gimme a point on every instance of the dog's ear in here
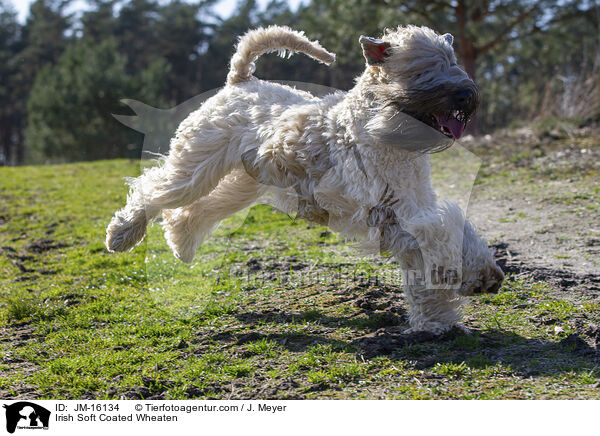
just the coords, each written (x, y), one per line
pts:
(449, 38)
(374, 50)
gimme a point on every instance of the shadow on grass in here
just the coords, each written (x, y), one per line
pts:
(366, 319)
(526, 357)
(378, 334)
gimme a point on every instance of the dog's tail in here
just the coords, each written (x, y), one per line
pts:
(265, 40)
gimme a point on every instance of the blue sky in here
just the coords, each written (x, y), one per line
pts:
(224, 8)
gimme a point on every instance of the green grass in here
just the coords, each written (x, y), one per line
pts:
(80, 322)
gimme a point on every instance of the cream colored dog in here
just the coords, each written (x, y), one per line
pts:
(353, 161)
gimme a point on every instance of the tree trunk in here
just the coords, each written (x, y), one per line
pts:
(469, 60)
(6, 145)
(20, 145)
(466, 51)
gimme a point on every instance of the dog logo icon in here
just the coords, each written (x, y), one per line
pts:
(26, 415)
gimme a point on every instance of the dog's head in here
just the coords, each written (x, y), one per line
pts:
(415, 71)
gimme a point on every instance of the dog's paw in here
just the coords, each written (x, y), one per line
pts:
(430, 327)
(488, 281)
(438, 329)
(494, 280)
(125, 232)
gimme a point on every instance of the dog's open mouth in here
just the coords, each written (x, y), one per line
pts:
(445, 108)
(450, 124)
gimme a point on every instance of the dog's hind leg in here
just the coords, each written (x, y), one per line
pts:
(187, 227)
(192, 170)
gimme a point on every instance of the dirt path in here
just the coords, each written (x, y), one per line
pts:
(541, 204)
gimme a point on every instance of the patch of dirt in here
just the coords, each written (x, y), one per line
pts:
(550, 218)
(138, 393)
(11, 253)
(286, 389)
(30, 278)
(19, 259)
(271, 268)
(549, 239)
(13, 337)
(510, 261)
(43, 245)
(206, 393)
(386, 341)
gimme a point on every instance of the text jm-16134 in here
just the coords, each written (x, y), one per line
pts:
(96, 407)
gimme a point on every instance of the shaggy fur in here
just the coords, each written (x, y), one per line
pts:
(340, 161)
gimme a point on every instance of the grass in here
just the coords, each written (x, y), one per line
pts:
(78, 322)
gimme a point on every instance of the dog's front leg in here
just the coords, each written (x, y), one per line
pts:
(429, 255)
(429, 289)
(454, 262)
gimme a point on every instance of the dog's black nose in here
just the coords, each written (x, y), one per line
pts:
(464, 98)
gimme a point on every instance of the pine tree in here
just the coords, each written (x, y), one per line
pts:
(10, 45)
(71, 104)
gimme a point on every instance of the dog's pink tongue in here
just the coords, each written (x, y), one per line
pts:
(455, 126)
